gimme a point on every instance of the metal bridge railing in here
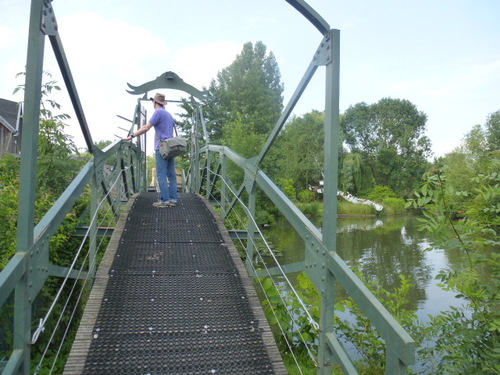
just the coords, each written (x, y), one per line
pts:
(28, 271)
(218, 187)
(25, 275)
(209, 175)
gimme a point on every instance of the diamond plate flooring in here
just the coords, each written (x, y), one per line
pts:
(173, 298)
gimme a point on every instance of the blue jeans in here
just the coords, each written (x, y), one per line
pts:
(165, 169)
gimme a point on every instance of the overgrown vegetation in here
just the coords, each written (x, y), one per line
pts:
(57, 166)
(461, 214)
(466, 339)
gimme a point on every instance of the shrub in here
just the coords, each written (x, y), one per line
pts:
(306, 196)
(393, 206)
(379, 193)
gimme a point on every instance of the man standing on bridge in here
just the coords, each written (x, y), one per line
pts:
(163, 123)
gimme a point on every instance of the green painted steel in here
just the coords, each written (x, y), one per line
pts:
(28, 270)
(20, 362)
(321, 262)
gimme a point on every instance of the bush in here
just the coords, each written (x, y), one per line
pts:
(379, 193)
(467, 338)
(311, 209)
(393, 206)
(286, 185)
(306, 196)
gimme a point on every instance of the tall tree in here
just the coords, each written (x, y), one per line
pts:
(389, 135)
(493, 131)
(474, 156)
(300, 150)
(246, 100)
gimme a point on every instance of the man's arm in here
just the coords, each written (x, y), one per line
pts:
(142, 130)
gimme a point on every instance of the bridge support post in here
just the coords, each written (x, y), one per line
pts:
(223, 200)
(25, 223)
(93, 230)
(331, 163)
(252, 199)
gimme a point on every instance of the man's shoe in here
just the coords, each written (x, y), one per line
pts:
(161, 204)
(172, 203)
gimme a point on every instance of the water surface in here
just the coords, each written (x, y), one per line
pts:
(384, 248)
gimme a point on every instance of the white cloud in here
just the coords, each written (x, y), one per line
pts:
(102, 60)
(109, 44)
(7, 36)
(198, 65)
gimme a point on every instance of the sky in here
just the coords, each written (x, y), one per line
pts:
(443, 56)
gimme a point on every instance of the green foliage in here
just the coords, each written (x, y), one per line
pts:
(493, 131)
(280, 307)
(9, 188)
(393, 206)
(311, 209)
(389, 137)
(351, 174)
(299, 150)
(306, 196)
(348, 208)
(245, 99)
(359, 330)
(466, 339)
(379, 193)
(286, 185)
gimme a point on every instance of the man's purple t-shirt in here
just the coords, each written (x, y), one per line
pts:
(163, 123)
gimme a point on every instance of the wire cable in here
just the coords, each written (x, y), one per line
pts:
(41, 326)
(311, 320)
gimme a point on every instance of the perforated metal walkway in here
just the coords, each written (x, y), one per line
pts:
(172, 297)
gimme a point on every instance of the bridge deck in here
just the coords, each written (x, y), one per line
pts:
(172, 297)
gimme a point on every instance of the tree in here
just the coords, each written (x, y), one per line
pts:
(55, 166)
(467, 338)
(299, 150)
(461, 166)
(245, 101)
(351, 173)
(493, 131)
(389, 135)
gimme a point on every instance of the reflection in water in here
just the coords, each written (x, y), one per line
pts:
(383, 248)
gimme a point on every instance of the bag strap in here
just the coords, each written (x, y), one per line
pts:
(158, 134)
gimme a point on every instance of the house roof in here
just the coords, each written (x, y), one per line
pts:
(8, 114)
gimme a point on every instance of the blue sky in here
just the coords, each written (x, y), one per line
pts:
(443, 56)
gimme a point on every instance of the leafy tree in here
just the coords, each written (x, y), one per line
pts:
(461, 166)
(493, 131)
(246, 99)
(55, 166)
(389, 137)
(467, 338)
(351, 174)
(299, 150)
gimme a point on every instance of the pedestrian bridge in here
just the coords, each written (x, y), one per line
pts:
(171, 295)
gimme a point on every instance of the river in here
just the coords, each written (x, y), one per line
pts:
(384, 247)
